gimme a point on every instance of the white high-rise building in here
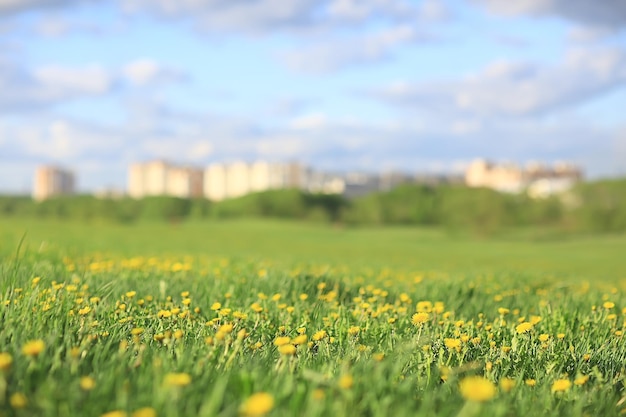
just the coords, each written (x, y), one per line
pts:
(53, 181)
(158, 178)
(215, 182)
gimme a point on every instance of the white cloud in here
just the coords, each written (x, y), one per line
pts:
(145, 71)
(309, 121)
(336, 54)
(92, 79)
(611, 13)
(507, 88)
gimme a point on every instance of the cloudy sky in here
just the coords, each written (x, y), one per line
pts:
(421, 86)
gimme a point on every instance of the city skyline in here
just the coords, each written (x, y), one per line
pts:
(343, 85)
(219, 181)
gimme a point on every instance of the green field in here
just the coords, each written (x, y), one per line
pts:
(283, 319)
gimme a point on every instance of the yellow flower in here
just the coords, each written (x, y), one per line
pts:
(225, 328)
(544, 337)
(561, 385)
(177, 379)
(530, 382)
(318, 394)
(317, 336)
(131, 294)
(216, 306)
(84, 311)
(18, 400)
(87, 383)
(33, 348)
(503, 311)
(114, 413)
(608, 305)
(136, 331)
(281, 340)
(346, 382)
(560, 335)
(145, 412)
(507, 384)
(419, 318)
(477, 388)
(354, 330)
(523, 327)
(257, 404)
(287, 349)
(5, 361)
(300, 340)
(581, 380)
(452, 343)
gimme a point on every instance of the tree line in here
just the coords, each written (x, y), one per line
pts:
(594, 207)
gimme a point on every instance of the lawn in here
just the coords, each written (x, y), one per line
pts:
(280, 319)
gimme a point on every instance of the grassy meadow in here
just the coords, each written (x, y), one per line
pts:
(252, 318)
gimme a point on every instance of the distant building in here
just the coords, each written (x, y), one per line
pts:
(537, 179)
(51, 181)
(231, 180)
(159, 178)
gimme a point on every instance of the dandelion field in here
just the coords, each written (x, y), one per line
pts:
(238, 320)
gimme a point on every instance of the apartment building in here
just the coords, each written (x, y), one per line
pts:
(537, 179)
(157, 178)
(236, 179)
(52, 181)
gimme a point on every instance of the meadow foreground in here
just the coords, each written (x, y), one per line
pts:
(91, 332)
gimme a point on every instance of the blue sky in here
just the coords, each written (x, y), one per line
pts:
(419, 86)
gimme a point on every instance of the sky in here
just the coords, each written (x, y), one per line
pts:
(423, 86)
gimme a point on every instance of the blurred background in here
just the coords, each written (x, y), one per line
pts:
(483, 114)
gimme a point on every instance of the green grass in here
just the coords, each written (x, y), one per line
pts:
(131, 307)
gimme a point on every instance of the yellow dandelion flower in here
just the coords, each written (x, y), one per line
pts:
(114, 413)
(33, 348)
(608, 305)
(354, 330)
(378, 357)
(216, 306)
(84, 311)
(530, 382)
(419, 318)
(452, 343)
(287, 350)
(300, 340)
(523, 327)
(257, 405)
(18, 400)
(581, 380)
(87, 383)
(319, 335)
(131, 294)
(282, 340)
(5, 361)
(177, 379)
(544, 337)
(507, 384)
(318, 394)
(178, 334)
(136, 331)
(225, 328)
(560, 336)
(144, 412)
(346, 382)
(477, 388)
(303, 297)
(503, 311)
(561, 385)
